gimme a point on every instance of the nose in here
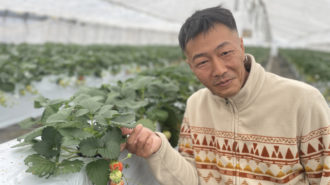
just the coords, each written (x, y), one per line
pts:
(219, 67)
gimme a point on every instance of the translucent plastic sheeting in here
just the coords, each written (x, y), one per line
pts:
(22, 107)
(294, 23)
(93, 11)
(12, 170)
(81, 22)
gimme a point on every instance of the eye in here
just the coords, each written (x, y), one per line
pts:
(226, 52)
(201, 63)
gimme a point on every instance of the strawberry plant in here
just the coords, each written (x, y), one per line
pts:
(22, 65)
(85, 129)
(313, 67)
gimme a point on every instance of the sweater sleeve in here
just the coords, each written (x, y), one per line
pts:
(171, 167)
(315, 139)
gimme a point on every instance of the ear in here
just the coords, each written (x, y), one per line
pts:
(189, 63)
(242, 44)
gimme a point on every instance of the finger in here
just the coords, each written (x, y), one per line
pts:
(148, 146)
(141, 140)
(125, 131)
(122, 146)
(133, 136)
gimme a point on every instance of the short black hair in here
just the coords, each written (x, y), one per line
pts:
(201, 21)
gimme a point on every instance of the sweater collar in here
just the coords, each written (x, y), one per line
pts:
(252, 87)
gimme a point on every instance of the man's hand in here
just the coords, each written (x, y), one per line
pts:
(142, 141)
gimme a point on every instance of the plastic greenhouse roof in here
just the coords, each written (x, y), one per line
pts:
(291, 23)
(92, 11)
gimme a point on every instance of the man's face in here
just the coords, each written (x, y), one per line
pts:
(216, 57)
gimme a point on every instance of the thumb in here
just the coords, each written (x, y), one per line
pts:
(125, 131)
(122, 146)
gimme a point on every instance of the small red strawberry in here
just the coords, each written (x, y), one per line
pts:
(116, 165)
(120, 183)
(115, 176)
(81, 78)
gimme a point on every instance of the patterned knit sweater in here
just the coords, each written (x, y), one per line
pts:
(274, 131)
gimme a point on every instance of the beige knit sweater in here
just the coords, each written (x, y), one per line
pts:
(274, 131)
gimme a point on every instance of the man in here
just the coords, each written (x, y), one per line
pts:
(247, 126)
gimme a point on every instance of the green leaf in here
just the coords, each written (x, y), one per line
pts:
(50, 144)
(111, 147)
(89, 146)
(108, 114)
(80, 98)
(101, 120)
(7, 86)
(27, 123)
(49, 110)
(74, 133)
(81, 112)
(40, 102)
(106, 111)
(67, 166)
(57, 102)
(124, 118)
(147, 123)
(98, 171)
(70, 142)
(31, 135)
(141, 82)
(39, 166)
(60, 116)
(157, 114)
(91, 105)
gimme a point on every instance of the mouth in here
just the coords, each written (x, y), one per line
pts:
(224, 83)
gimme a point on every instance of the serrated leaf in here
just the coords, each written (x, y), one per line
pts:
(101, 120)
(112, 96)
(91, 105)
(27, 123)
(67, 166)
(56, 102)
(98, 171)
(105, 109)
(147, 123)
(124, 118)
(49, 110)
(80, 98)
(157, 114)
(31, 135)
(97, 98)
(45, 149)
(89, 146)
(135, 104)
(60, 117)
(127, 125)
(50, 143)
(40, 102)
(7, 86)
(81, 112)
(111, 146)
(39, 166)
(141, 82)
(74, 132)
(70, 142)
(109, 114)
(128, 93)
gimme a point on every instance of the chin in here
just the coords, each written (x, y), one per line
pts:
(226, 94)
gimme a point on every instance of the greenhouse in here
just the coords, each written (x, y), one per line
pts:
(74, 73)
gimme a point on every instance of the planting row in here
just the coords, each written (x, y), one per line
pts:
(313, 67)
(21, 66)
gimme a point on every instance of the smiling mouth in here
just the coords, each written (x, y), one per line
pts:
(224, 83)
